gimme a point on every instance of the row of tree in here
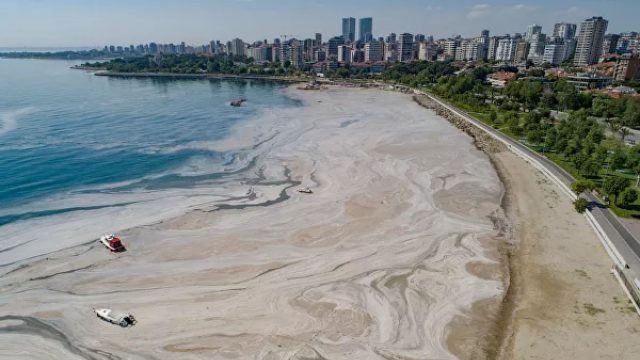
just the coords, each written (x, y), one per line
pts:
(193, 64)
(576, 133)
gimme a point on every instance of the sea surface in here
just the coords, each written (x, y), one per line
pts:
(72, 143)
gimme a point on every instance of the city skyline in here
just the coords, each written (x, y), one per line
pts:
(88, 23)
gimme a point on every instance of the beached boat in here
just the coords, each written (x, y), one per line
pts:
(305, 191)
(112, 243)
(122, 319)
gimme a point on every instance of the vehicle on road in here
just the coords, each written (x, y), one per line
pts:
(305, 191)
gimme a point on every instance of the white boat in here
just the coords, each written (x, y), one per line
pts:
(112, 243)
(122, 319)
(305, 191)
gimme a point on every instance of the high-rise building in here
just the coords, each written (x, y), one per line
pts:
(349, 29)
(555, 52)
(564, 31)
(610, 43)
(405, 47)
(332, 47)
(237, 47)
(628, 42)
(522, 51)
(492, 48)
(483, 39)
(450, 47)
(506, 50)
(590, 39)
(318, 39)
(472, 50)
(627, 67)
(344, 54)
(308, 47)
(391, 38)
(297, 60)
(373, 51)
(357, 56)
(427, 51)
(536, 50)
(391, 51)
(532, 30)
(366, 29)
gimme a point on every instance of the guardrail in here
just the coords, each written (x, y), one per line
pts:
(608, 245)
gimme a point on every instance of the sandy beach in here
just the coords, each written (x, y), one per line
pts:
(372, 265)
(405, 250)
(565, 302)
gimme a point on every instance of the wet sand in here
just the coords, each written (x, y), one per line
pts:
(398, 240)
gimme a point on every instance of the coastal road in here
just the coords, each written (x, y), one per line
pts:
(626, 243)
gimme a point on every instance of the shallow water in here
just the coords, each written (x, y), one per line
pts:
(71, 142)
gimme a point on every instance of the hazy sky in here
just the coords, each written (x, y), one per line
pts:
(122, 22)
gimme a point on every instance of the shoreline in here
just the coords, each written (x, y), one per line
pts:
(385, 219)
(498, 318)
(568, 318)
(207, 76)
(492, 328)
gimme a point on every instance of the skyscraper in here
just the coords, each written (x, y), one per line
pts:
(237, 47)
(564, 31)
(318, 39)
(506, 50)
(349, 29)
(590, 38)
(532, 30)
(366, 29)
(536, 47)
(405, 47)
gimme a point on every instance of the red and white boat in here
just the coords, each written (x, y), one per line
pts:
(112, 243)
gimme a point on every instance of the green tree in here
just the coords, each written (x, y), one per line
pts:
(343, 72)
(535, 136)
(581, 205)
(627, 197)
(580, 186)
(631, 116)
(513, 123)
(550, 138)
(590, 168)
(614, 185)
(549, 101)
(493, 116)
(617, 159)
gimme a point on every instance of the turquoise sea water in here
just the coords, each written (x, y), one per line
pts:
(66, 132)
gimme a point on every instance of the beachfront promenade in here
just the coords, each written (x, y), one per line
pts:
(621, 245)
